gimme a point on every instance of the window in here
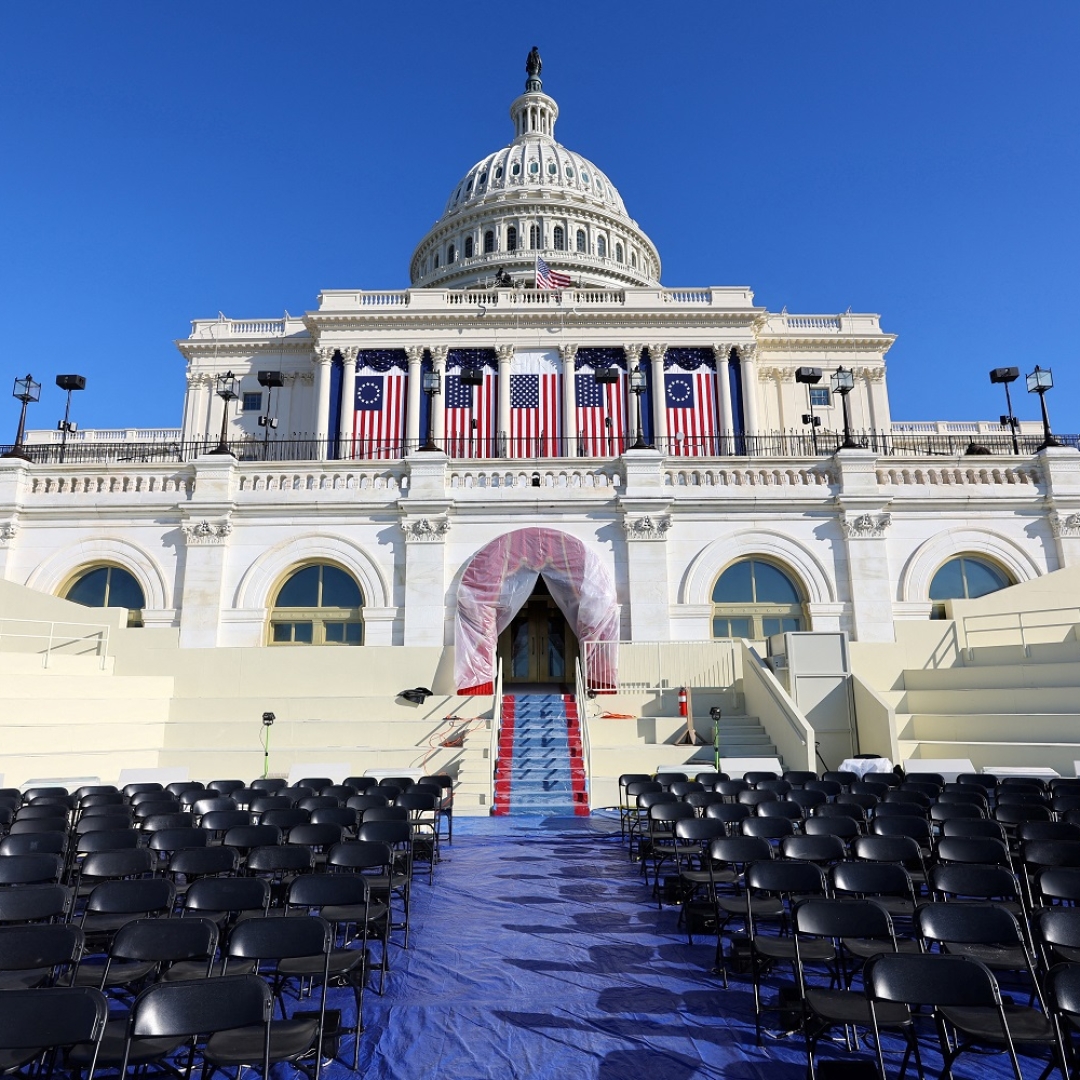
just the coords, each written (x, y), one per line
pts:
(599, 188)
(450, 254)
(252, 401)
(569, 173)
(483, 178)
(499, 173)
(489, 242)
(515, 169)
(436, 265)
(318, 605)
(601, 247)
(559, 235)
(584, 177)
(819, 396)
(633, 259)
(964, 578)
(511, 238)
(755, 599)
(468, 247)
(553, 169)
(580, 240)
(468, 186)
(618, 253)
(534, 167)
(534, 237)
(108, 586)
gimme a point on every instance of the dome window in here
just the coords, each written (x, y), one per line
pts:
(468, 186)
(483, 178)
(468, 247)
(584, 177)
(515, 169)
(534, 167)
(435, 264)
(559, 237)
(553, 168)
(599, 188)
(601, 247)
(450, 255)
(499, 173)
(489, 242)
(618, 253)
(633, 259)
(534, 237)
(511, 238)
(580, 240)
(569, 173)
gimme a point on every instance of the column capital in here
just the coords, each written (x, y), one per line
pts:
(722, 352)
(324, 355)
(568, 353)
(439, 353)
(504, 353)
(748, 351)
(860, 525)
(633, 353)
(414, 353)
(657, 352)
(350, 353)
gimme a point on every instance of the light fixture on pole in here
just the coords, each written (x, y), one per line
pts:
(607, 376)
(431, 384)
(1004, 376)
(228, 389)
(843, 382)
(269, 380)
(637, 388)
(810, 376)
(1038, 382)
(68, 426)
(26, 391)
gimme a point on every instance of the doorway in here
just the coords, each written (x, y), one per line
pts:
(538, 646)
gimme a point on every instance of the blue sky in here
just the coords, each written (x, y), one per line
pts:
(162, 162)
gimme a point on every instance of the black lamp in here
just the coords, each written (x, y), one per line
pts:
(1004, 376)
(228, 389)
(66, 426)
(269, 381)
(25, 390)
(431, 384)
(1038, 382)
(602, 376)
(471, 376)
(843, 382)
(637, 388)
(810, 376)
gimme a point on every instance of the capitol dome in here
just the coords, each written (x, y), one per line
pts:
(534, 197)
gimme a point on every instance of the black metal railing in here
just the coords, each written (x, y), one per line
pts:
(769, 444)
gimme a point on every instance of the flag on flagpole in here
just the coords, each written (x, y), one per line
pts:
(546, 278)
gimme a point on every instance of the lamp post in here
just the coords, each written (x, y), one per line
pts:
(1038, 382)
(637, 388)
(606, 376)
(810, 376)
(268, 380)
(26, 390)
(843, 382)
(1004, 376)
(431, 384)
(228, 390)
(68, 426)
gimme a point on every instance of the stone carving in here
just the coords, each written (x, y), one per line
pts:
(865, 526)
(647, 528)
(1060, 525)
(7, 532)
(426, 529)
(533, 64)
(206, 532)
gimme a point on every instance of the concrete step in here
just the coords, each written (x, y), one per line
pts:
(1023, 673)
(980, 727)
(1021, 700)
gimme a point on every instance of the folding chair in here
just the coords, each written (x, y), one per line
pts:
(34, 1024)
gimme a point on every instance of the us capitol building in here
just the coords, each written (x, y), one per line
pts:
(383, 470)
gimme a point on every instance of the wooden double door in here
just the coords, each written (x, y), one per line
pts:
(538, 646)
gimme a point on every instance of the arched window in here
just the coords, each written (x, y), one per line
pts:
(511, 238)
(601, 247)
(559, 236)
(755, 599)
(468, 247)
(489, 242)
(318, 605)
(964, 578)
(618, 253)
(534, 236)
(580, 239)
(450, 254)
(108, 586)
(633, 259)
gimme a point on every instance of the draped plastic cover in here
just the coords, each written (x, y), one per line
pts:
(502, 576)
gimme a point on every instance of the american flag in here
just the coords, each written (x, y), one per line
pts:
(379, 418)
(471, 416)
(546, 278)
(600, 416)
(534, 415)
(691, 413)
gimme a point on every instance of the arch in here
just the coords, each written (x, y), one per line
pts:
(789, 554)
(256, 588)
(58, 569)
(919, 570)
(501, 576)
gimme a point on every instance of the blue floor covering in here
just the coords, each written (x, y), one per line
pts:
(537, 954)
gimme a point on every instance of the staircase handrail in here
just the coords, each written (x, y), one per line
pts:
(795, 739)
(583, 722)
(96, 633)
(1016, 624)
(496, 726)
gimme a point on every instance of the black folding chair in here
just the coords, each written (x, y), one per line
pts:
(34, 1024)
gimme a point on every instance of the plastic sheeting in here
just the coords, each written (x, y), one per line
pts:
(502, 576)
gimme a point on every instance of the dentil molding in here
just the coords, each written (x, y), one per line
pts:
(647, 527)
(426, 529)
(206, 532)
(865, 526)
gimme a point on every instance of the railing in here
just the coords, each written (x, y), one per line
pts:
(792, 736)
(93, 638)
(582, 699)
(496, 728)
(1021, 627)
(649, 666)
(970, 448)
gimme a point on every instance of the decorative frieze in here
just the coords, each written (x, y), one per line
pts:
(647, 527)
(1060, 524)
(426, 530)
(206, 532)
(865, 526)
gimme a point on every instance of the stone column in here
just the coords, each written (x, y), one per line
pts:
(347, 411)
(569, 402)
(14, 479)
(646, 521)
(425, 524)
(1061, 468)
(748, 354)
(195, 418)
(206, 529)
(656, 357)
(438, 401)
(723, 397)
(864, 522)
(321, 427)
(415, 354)
(505, 355)
(633, 358)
